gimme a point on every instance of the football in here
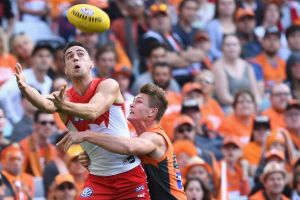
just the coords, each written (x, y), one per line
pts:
(88, 18)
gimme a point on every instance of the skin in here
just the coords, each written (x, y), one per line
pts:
(13, 163)
(274, 184)
(245, 106)
(280, 95)
(66, 194)
(200, 172)
(106, 63)
(194, 191)
(292, 120)
(190, 135)
(162, 76)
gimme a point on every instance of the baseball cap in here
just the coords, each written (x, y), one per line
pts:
(196, 161)
(274, 152)
(272, 167)
(232, 140)
(275, 136)
(190, 104)
(183, 119)
(158, 8)
(12, 149)
(244, 12)
(260, 121)
(184, 146)
(73, 152)
(201, 36)
(272, 31)
(191, 86)
(121, 69)
(293, 59)
(63, 178)
(293, 104)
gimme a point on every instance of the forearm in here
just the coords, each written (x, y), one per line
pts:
(114, 144)
(36, 99)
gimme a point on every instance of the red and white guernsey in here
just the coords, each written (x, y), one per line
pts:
(113, 122)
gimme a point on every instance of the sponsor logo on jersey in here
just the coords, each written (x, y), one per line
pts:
(128, 160)
(140, 188)
(86, 192)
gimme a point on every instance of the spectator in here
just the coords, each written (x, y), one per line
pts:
(6, 12)
(37, 149)
(105, 60)
(256, 6)
(254, 149)
(195, 189)
(184, 150)
(33, 11)
(239, 124)
(292, 121)
(222, 24)
(58, 69)
(36, 76)
(205, 13)
(233, 73)
(290, 13)
(184, 128)
(191, 108)
(296, 182)
(237, 168)
(7, 60)
(22, 47)
(22, 183)
(245, 23)
(187, 14)
(157, 53)
(273, 179)
(202, 42)
(280, 96)
(3, 141)
(293, 38)
(63, 188)
(293, 74)
(24, 127)
(271, 65)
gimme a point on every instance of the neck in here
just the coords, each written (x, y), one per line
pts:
(79, 178)
(39, 141)
(39, 75)
(206, 97)
(81, 85)
(229, 61)
(141, 126)
(185, 26)
(271, 57)
(273, 196)
(226, 19)
(244, 119)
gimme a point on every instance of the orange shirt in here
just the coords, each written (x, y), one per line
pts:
(231, 126)
(276, 118)
(271, 73)
(252, 153)
(296, 140)
(7, 67)
(211, 109)
(260, 196)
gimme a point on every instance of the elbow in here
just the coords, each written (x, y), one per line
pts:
(91, 116)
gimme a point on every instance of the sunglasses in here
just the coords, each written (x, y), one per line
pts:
(47, 122)
(206, 82)
(65, 186)
(184, 129)
(159, 8)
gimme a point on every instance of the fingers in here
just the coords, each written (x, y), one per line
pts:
(62, 141)
(62, 91)
(84, 160)
(18, 68)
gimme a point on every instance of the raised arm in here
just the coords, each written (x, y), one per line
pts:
(128, 146)
(107, 93)
(31, 94)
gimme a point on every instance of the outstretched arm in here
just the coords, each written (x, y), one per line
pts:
(107, 94)
(31, 94)
(128, 146)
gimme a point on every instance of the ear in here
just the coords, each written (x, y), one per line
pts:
(153, 112)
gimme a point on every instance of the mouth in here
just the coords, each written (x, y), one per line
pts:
(131, 112)
(76, 67)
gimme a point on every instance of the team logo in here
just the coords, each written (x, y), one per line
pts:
(128, 160)
(86, 192)
(87, 11)
(138, 189)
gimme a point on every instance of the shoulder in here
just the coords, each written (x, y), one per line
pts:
(153, 137)
(108, 84)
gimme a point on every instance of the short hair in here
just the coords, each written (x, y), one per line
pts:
(182, 4)
(153, 46)
(292, 29)
(157, 99)
(37, 115)
(42, 46)
(75, 43)
(104, 49)
(228, 35)
(161, 64)
(242, 93)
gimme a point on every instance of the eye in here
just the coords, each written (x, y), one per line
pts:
(80, 54)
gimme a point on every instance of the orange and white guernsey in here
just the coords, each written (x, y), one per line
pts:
(113, 122)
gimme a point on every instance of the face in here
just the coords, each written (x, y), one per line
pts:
(292, 119)
(231, 47)
(135, 8)
(226, 8)
(164, 23)
(162, 76)
(157, 55)
(280, 97)
(23, 46)
(76, 169)
(106, 63)
(185, 131)
(78, 63)
(260, 134)
(296, 71)
(14, 162)
(272, 14)
(274, 183)
(89, 40)
(294, 41)
(189, 11)
(65, 191)
(45, 126)
(231, 153)
(199, 172)
(42, 60)
(183, 159)
(278, 146)
(245, 106)
(194, 191)
(207, 84)
(58, 83)
(140, 109)
(246, 24)
(123, 81)
(2, 120)
(271, 44)
(204, 45)
(59, 61)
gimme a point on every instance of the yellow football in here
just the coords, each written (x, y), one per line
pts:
(88, 18)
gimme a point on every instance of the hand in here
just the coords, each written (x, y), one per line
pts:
(71, 138)
(20, 77)
(84, 159)
(58, 99)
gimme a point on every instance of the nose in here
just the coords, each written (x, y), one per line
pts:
(75, 58)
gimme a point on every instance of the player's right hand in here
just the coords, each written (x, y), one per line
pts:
(20, 77)
(84, 159)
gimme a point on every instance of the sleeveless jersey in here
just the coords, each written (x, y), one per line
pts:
(113, 122)
(163, 175)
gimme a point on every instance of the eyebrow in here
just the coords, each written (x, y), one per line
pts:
(78, 50)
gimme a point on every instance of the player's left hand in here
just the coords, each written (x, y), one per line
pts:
(69, 139)
(58, 99)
